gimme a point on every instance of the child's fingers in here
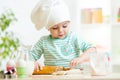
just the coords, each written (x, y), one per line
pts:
(37, 67)
(72, 64)
(75, 62)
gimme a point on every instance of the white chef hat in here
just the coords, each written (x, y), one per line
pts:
(49, 12)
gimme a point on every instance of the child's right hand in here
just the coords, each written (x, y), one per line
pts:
(38, 67)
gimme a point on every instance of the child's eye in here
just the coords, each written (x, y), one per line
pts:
(55, 28)
(64, 26)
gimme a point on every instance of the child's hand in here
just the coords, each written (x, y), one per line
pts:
(74, 62)
(82, 58)
(37, 66)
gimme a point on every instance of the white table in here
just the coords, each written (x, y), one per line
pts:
(113, 76)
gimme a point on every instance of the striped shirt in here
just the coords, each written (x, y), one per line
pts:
(59, 52)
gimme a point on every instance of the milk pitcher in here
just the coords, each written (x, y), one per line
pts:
(100, 63)
(24, 63)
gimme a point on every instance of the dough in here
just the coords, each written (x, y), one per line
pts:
(60, 73)
(74, 71)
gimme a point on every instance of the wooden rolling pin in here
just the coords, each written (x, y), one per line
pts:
(49, 70)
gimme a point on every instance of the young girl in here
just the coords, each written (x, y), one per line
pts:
(61, 47)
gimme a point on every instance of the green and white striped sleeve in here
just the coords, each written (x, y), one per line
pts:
(37, 49)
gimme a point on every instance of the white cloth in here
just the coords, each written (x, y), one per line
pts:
(49, 12)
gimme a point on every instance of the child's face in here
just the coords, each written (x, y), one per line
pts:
(60, 30)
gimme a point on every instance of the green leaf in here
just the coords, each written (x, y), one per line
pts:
(8, 42)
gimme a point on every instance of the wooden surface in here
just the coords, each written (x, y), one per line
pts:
(49, 70)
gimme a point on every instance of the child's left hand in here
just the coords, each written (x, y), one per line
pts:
(82, 58)
(74, 62)
(85, 56)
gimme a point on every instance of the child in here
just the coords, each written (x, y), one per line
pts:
(61, 47)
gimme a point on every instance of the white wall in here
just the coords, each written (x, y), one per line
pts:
(74, 12)
(23, 28)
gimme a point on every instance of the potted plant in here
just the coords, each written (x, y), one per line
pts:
(8, 41)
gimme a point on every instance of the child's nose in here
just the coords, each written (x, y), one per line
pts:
(60, 29)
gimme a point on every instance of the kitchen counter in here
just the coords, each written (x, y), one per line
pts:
(113, 76)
